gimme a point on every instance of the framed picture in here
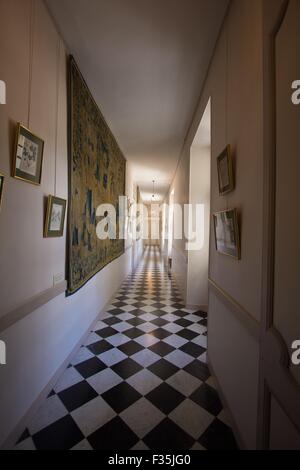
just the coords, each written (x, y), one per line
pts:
(55, 217)
(1, 188)
(225, 171)
(28, 159)
(227, 236)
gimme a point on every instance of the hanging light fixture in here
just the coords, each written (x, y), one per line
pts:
(153, 195)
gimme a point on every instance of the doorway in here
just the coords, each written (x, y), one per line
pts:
(199, 214)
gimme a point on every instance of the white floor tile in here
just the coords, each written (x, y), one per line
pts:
(200, 341)
(191, 418)
(142, 417)
(118, 339)
(112, 357)
(83, 445)
(122, 326)
(69, 378)
(93, 415)
(175, 341)
(172, 327)
(104, 381)
(93, 338)
(145, 357)
(147, 340)
(179, 358)
(27, 444)
(51, 410)
(185, 383)
(83, 354)
(144, 381)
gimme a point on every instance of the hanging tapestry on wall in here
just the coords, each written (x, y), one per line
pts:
(96, 176)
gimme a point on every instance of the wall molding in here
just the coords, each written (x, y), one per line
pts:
(11, 440)
(252, 325)
(35, 302)
(281, 383)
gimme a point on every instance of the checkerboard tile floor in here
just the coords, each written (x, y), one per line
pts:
(141, 380)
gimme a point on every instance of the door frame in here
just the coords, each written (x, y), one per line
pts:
(275, 378)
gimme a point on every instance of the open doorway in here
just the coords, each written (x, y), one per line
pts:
(200, 187)
(170, 229)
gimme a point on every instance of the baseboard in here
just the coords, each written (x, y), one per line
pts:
(10, 442)
(202, 308)
(235, 429)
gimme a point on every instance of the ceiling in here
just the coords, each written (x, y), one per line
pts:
(145, 62)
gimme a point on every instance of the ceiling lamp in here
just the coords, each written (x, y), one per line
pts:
(153, 195)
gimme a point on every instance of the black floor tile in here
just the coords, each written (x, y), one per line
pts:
(126, 368)
(121, 397)
(162, 349)
(183, 322)
(111, 321)
(208, 398)
(187, 334)
(77, 395)
(130, 348)
(90, 367)
(100, 347)
(136, 321)
(198, 369)
(115, 435)
(63, 434)
(163, 369)
(218, 436)
(165, 398)
(192, 349)
(159, 322)
(167, 436)
(106, 332)
(134, 333)
(161, 334)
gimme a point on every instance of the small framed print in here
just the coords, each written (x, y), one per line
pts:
(1, 188)
(55, 217)
(28, 159)
(225, 171)
(227, 235)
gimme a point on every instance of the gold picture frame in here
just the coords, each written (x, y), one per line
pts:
(55, 217)
(227, 233)
(2, 178)
(225, 171)
(28, 156)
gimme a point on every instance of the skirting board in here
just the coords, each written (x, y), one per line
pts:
(10, 442)
(235, 429)
(202, 308)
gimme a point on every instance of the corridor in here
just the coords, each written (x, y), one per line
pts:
(140, 381)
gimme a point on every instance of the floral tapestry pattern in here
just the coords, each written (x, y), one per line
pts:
(96, 176)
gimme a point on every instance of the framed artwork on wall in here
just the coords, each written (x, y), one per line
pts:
(225, 171)
(227, 235)
(55, 217)
(1, 188)
(28, 158)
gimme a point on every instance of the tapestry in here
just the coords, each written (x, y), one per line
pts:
(96, 176)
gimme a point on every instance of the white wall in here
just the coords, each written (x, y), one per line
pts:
(197, 278)
(234, 84)
(33, 62)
